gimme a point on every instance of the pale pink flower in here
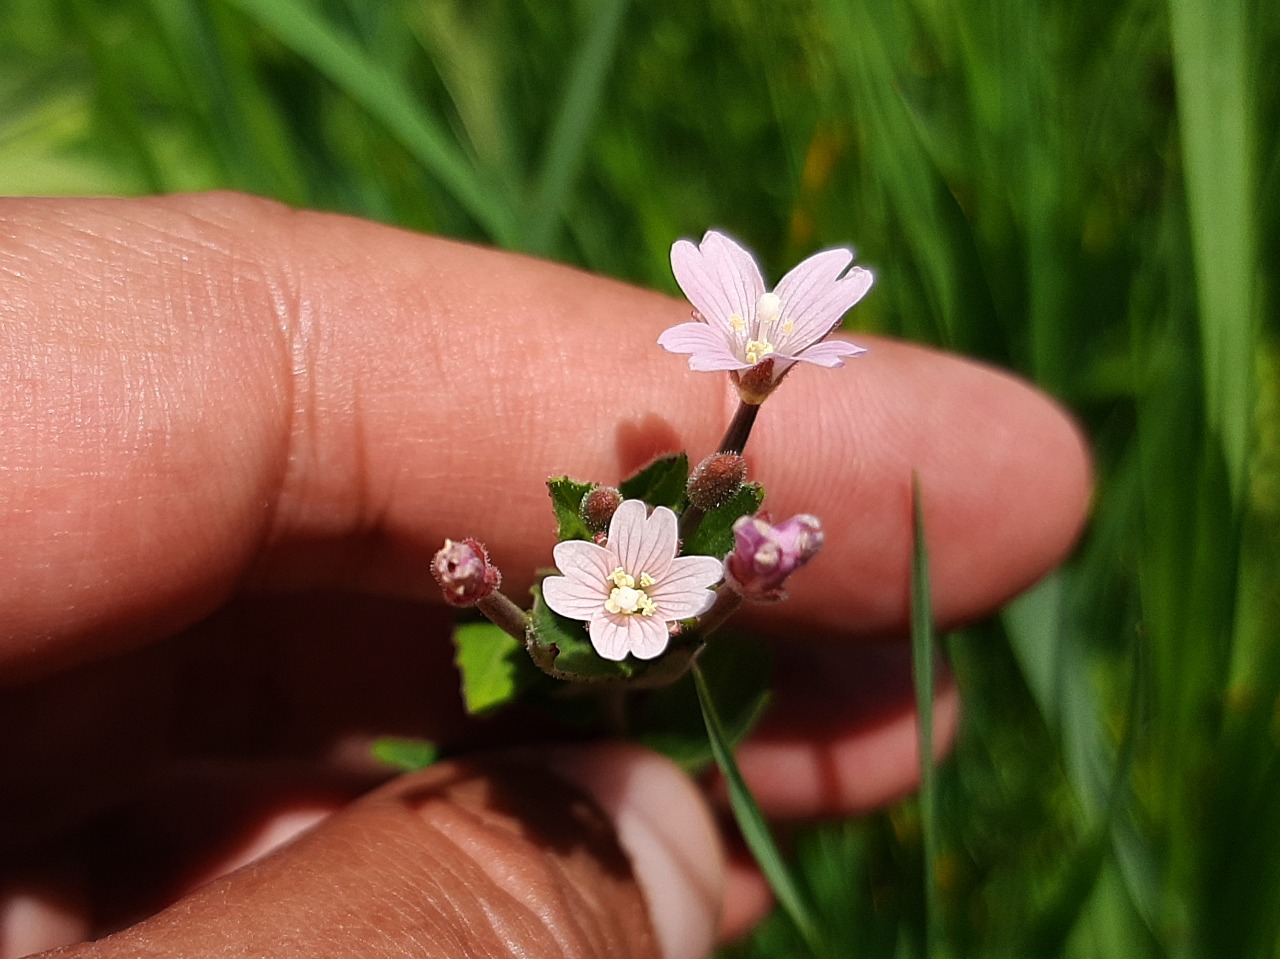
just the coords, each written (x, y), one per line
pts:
(737, 325)
(632, 587)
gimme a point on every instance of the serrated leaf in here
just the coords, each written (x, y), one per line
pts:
(566, 500)
(670, 721)
(661, 483)
(714, 535)
(493, 665)
(567, 646)
(405, 753)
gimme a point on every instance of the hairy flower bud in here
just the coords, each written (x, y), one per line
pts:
(764, 555)
(463, 570)
(598, 507)
(716, 479)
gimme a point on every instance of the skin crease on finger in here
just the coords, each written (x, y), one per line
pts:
(487, 859)
(213, 393)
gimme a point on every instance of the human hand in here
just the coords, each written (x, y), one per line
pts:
(233, 435)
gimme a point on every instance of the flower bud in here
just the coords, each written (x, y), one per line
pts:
(463, 570)
(764, 555)
(716, 479)
(598, 507)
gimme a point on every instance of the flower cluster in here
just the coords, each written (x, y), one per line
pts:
(638, 574)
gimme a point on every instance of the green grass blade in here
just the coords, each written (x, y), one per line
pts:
(359, 75)
(922, 646)
(578, 109)
(751, 821)
(118, 103)
(1215, 121)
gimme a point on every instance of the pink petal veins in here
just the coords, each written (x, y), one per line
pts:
(830, 353)
(573, 599)
(708, 348)
(647, 636)
(609, 637)
(718, 277)
(583, 562)
(814, 296)
(626, 531)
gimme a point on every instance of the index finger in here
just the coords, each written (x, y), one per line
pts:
(213, 393)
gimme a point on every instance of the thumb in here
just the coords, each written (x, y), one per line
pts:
(581, 852)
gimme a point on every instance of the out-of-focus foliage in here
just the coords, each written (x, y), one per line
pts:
(1088, 193)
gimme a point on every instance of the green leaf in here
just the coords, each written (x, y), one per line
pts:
(670, 720)
(563, 645)
(366, 79)
(714, 535)
(566, 500)
(661, 483)
(404, 753)
(752, 825)
(922, 643)
(575, 120)
(493, 664)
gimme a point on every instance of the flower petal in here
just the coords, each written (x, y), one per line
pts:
(686, 588)
(708, 348)
(830, 353)
(814, 296)
(647, 636)
(718, 277)
(609, 636)
(626, 530)
(657, 548)
(584, 562)
(573, 599)
(643, 545)
(615, 634)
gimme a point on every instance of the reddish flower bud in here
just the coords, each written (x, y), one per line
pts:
(765, 555)
(463, 570)
(716, 479)
(598, 507)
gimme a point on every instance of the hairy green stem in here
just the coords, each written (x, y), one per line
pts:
(504, 614)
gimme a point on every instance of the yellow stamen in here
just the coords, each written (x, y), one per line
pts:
(625, 598)
(758, 350)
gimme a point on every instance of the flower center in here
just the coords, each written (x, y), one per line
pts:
(757, 350)
(769, 319)
(625, 597)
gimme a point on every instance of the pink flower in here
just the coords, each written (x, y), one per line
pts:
(764, 555)
(632, 587)
(737, 325)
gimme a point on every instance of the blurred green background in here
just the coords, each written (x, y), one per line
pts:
(1085, 192)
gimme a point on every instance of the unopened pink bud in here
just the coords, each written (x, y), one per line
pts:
(463, 570)
(764, 555)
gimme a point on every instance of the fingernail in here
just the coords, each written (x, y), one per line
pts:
(664, 826)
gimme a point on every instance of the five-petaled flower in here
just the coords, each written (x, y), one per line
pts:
(739, 327)
(632, 587)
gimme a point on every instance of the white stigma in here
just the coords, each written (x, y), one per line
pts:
(768, 309)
